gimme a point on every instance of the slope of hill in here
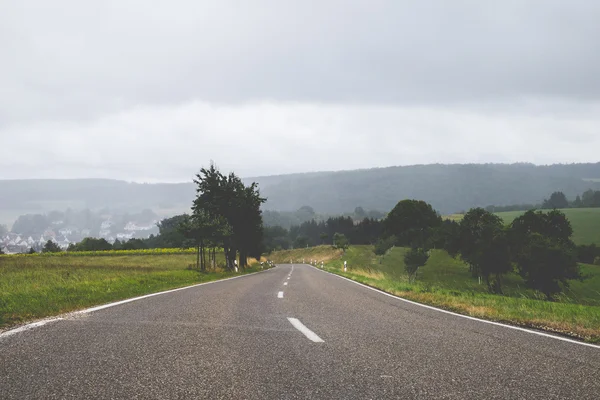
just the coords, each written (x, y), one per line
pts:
(449, 188)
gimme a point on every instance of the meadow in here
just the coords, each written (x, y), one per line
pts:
(37, 286)
(445, 282)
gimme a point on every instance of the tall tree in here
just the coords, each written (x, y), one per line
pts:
(227, 199)
(543, 251)
(484, 245)
(411, 221)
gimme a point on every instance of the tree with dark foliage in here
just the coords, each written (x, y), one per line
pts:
(484, 245)
(51, 247)
(227, 199)
(413, 260)
(412, 221)
(543, 251)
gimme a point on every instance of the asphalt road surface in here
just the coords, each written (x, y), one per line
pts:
(265, 336)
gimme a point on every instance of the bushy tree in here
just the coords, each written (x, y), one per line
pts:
(546, 265)
(275, 238)
(590, 198)
(484, 245)
(412, 221)
(556, 200)
(546, 257)
(51, 247)
(446, 236)
(133, 244)
(413, 260)
(91, 244)
(340, 241)
(553, 224)
(384, 244)
(169, 232)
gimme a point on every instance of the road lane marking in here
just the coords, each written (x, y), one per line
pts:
(280, 295)
(307, 332)
(517, 328)
(29, 326)
(285, 283)
(117, 303)
(288, 278)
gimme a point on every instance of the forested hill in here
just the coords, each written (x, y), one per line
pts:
(449, 188)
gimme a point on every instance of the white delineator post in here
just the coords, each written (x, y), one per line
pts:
(321, 264)
(345, 266)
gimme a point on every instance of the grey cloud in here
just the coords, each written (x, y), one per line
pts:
(170, 143)
(78, 59)
(152, 91)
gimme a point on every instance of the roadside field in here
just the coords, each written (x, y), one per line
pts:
(34, 287)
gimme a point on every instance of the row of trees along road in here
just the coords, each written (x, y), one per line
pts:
(226, 213)
(537, 245)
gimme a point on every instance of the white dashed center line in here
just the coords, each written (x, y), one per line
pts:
(307, 332)
(285, 283)
(280, 295)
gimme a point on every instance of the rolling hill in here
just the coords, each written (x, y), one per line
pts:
(449, 188)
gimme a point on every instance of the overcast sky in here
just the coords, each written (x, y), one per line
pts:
(143, 91)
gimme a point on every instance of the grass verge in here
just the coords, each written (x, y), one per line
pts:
(38, 287)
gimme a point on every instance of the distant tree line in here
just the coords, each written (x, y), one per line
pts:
(312, 233)
(288, 219)
(588, 199)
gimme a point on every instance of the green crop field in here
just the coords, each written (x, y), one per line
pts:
(585, 223)
(38, 286)
(446, 282)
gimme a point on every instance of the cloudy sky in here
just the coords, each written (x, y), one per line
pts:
(151, 91)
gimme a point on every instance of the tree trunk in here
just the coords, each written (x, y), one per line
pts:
(202, 258)
(243, 259)
(488, 283)
(198, 257)
(231, 253)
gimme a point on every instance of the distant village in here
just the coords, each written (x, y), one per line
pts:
(29, 232)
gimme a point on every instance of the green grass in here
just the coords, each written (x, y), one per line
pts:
(446, 282)
(585, 223)
(37, 287)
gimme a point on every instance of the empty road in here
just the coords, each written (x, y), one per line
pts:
(292, 332)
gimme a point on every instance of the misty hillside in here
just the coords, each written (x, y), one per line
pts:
(449, 188)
